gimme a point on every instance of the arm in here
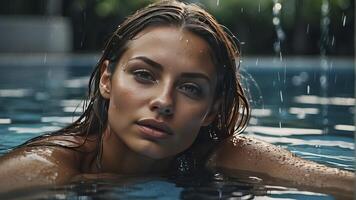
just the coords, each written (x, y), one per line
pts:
(249, 154)
(36, 166)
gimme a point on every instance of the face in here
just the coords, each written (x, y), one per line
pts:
(161, 92)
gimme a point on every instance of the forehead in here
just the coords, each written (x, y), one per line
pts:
(173, 47)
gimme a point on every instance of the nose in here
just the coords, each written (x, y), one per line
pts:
(163, 101)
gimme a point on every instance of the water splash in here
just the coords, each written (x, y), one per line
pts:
(324, 46)
(277, 7)
(276, 20)
(252, 90)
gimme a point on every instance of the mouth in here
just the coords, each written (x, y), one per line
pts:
(154, 128)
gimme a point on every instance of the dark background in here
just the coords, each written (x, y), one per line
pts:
(92, 21)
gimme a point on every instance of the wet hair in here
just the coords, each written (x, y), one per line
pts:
(233, 113)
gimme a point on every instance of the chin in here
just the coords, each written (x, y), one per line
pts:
(156, 154)
(156, 151)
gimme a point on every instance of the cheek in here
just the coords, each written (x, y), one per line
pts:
(125, 95)
(194, 113)
(191, 118)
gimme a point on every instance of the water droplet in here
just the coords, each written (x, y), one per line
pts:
(344, 20)
(277, 7)
(325, 6)
(276, 21)
(217, 2)
(242, 10)
(281, 95)
(307, 31)
(333, 41)
(308, 89)
(323, 81)
(259, 7)
(45, 58)
(285, 73)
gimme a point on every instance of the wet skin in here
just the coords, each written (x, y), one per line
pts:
(163, 69)
(160, 94)
(150, 78)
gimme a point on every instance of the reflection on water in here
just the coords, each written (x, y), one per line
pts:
(200, 186)
(38, 98)
(18, 92)
(343, 127)
(337, 101)
(5, 121)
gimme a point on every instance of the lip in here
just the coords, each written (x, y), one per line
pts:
(154, 128)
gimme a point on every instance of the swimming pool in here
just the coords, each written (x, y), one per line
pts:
(303, 104)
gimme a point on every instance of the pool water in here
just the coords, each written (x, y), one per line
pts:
(297, 104)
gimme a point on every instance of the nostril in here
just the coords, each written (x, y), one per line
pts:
(163, 104)
(165, 111)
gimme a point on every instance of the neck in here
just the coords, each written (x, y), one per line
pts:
(118, 158)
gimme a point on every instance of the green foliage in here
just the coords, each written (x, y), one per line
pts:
(106, 8)
(251, 22)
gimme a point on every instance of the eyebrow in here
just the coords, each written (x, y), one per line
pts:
(160, 68)
(149, 62)
(196, 75)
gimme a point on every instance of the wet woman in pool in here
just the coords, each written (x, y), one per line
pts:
(165, 96)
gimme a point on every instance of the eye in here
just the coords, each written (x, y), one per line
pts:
(143, 76)
(191, 90)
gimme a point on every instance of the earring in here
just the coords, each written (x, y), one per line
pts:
(212, 133)
(220, 124)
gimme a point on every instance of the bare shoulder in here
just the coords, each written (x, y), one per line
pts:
(32, 166)
(250, 154)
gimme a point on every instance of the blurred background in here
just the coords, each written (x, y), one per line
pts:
(264, 27)
(297, 68)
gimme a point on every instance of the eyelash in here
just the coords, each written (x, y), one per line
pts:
(144, 76)
(189, 89)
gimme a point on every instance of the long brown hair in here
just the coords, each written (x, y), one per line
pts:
(234, 111)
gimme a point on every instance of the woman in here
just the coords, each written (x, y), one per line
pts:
(164, 97)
